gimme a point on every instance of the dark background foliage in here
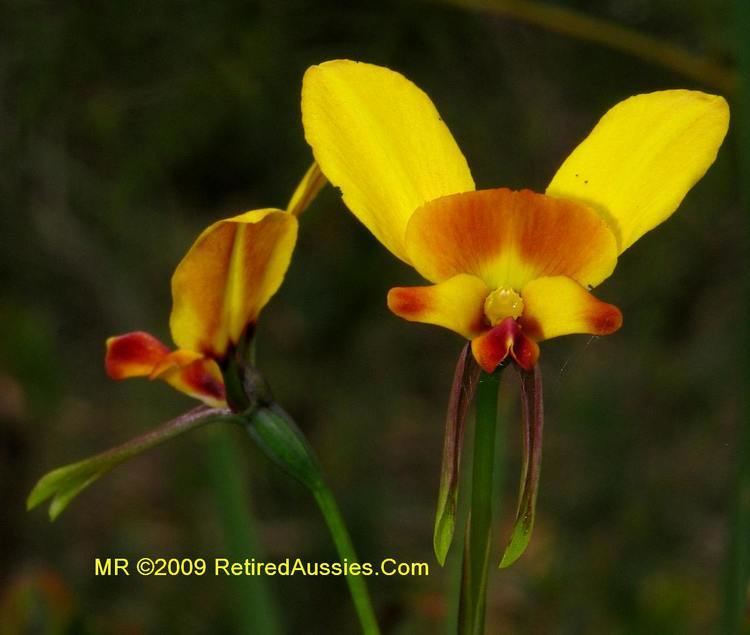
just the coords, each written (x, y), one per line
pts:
(126, 127)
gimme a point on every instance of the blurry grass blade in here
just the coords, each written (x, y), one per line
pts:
(587, 28)
(462, 394)
(65, 483)
(307, 189)
(533, 423)
(254, 607)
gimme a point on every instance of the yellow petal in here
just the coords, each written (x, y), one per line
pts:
(227, 277)
(560, 306)
(380, 139)
(306, 191)
(507, 238)
(456, 304)
(643, 157)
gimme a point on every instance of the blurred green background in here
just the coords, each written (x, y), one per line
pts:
(126, 127)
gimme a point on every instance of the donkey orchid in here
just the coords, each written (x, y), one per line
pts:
(508, 268)
(218, 291)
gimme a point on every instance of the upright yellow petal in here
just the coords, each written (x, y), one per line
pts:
(228, 276)
(380, 139)
(643, 157)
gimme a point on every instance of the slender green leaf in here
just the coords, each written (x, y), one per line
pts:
(63, 484)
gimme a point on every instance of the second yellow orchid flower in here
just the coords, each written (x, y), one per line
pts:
(218, 290)
(509, 269)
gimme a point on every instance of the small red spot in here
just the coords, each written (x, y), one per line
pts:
(197, 376)
(405, 301)
(606, 320)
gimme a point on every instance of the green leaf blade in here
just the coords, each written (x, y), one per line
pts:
(63, 484)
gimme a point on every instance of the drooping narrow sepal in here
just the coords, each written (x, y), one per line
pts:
(63, 484)
(533, 423)
(464, 387)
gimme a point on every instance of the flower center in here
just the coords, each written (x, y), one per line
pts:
(502, 303)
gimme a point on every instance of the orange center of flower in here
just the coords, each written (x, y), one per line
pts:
(502, 303)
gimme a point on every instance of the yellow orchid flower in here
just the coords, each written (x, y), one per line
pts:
(218, 291)
(509, 268)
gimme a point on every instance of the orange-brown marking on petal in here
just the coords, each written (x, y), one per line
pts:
(199, 377)
(133, 355)
(606, 319)
(508, 238)
(406, 301)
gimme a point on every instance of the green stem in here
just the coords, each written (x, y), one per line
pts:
(345, 549)
(253, 604)
(477, 546)
(737, 568)
(279, 438)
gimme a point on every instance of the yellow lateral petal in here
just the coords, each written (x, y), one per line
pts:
(508, 238)
(228, 275)
(643, 157)
(380, 139)
(306, 191)
(456, 304)
(560, 306)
